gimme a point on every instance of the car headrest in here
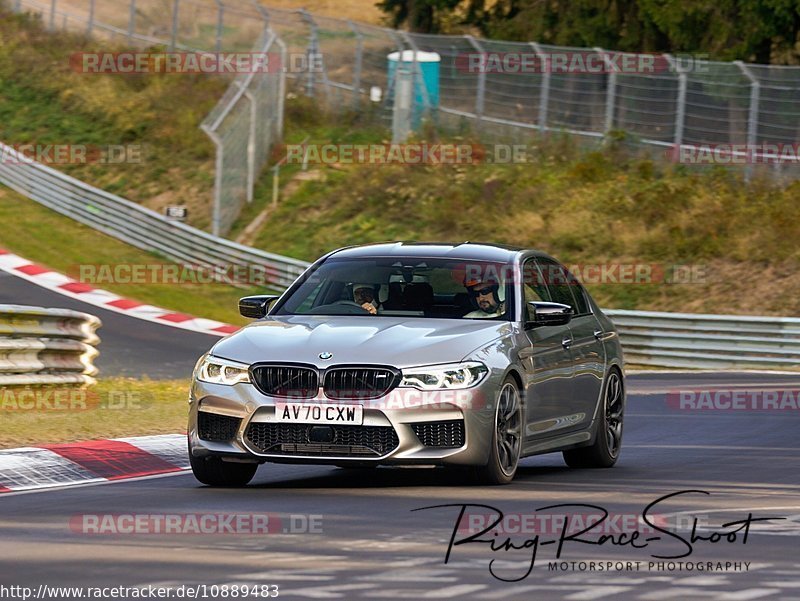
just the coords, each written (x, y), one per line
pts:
(461, 299)
(418, 296)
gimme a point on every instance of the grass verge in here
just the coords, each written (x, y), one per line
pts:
(44, 101)
(114, 408)
(713, 242)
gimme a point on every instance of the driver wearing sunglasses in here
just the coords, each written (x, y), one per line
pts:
(485, 295)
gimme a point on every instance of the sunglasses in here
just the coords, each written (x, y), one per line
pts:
(483, 291)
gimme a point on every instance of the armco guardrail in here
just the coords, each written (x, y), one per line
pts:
(701, 341)
(137, 225)
(41, 346)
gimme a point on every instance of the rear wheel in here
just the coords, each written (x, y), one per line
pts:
(213, 471)
(506, 437)
(605, 450)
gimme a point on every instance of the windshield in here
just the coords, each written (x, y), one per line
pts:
(413, 287)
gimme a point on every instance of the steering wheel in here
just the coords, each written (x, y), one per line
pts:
(347, 307)
(349, 303)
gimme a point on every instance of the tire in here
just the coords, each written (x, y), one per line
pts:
(605, 449)
(213, 471)
(506, 437)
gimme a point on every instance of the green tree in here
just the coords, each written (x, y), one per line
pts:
(422, 16)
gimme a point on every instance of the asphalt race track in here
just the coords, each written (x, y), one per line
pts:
(128, 346)
(354, 534)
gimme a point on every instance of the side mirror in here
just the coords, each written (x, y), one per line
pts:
(548, 314)
(255, 307)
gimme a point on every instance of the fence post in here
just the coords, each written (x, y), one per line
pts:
(358, 65)
(220, 21)
(680, 109)
(281, 87)
(544, 92)
(53, 15)
(611, 90)
(752, 117)
(90, 25)
(416, 73)
(403, 112)
(174, 35)
(17, 5)
(216, 216)
(251, 145)
(132, 21)
(312, 51)
(263, 12)
(481, 92)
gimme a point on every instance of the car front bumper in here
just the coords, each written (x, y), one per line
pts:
(412, 415)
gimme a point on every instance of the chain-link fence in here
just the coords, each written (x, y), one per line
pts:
(688, 109)
(685, 108)
(244, 125)
(248, 119)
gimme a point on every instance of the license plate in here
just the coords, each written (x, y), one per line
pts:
(319, 413)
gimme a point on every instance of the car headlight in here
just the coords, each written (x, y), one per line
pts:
(221, 371)
(440, 377)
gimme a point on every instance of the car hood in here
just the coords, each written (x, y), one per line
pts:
(397, 341)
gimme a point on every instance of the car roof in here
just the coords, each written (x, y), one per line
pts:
(445, 250)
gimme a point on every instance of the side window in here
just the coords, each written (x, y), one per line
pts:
(533, 284)
(563, 286)
(580, 296)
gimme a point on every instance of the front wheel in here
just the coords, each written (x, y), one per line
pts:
(213, 471)
(506, 437)
(604, 452)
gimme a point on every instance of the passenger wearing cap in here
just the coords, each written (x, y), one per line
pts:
(364, 295)
(484, 294)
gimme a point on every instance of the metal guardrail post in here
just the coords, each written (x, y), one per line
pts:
(611, 90)
(53, 15)
(176, 5)
(131, 21)
(752, 116)
(680, 114)
(481, 91)
(358, 64)
(544, 91)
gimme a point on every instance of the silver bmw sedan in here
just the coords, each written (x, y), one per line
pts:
(458, 355)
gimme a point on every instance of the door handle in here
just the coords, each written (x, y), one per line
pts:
(598, 334)
(566, 343)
